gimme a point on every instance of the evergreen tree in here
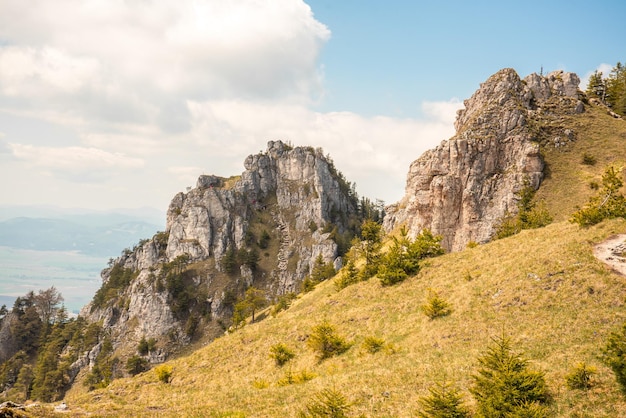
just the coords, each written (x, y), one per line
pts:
(607, 204)
(616, 89)
(321, 270)
(615, 355)
(505, 386)
(402, 259)
(228, 262)
(597, 86)
(443, 401)
(371, 233)
(349, 275)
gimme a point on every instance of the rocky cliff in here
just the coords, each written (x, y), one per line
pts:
(288, 207)
(463, 187)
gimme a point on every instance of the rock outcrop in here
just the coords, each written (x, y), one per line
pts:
(462, 188)
(280, 214)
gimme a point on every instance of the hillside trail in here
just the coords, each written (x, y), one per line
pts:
(612, 252)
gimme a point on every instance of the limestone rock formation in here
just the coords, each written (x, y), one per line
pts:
(287, 208)
(463, 187)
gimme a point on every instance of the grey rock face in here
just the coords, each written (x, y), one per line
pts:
(290, 193)
(462, 188)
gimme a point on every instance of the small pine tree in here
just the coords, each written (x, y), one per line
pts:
(283, 302)
(281, 354)
(321, 270)
(328, 403)
(596, 86)
(614, 355)
(505, 386)
(136, 365)
(580, 377)
(373, 345)
(608, 204)
(371, 232)
(530, 215)
(402, 259)
(325, 341)
(443, 401)
(435, 306)
(228, 262)
(348, 275)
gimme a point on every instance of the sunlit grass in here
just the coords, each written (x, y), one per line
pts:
(543, 288)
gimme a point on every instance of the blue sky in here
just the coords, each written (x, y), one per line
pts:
(123, 104)
(387, 57)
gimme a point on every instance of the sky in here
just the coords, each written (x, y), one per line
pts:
(123, 103)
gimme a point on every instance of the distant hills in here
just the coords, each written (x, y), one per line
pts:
(93, 233)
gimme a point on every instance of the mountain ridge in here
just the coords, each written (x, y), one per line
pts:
(545, 282)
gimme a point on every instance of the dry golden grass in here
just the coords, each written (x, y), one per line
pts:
(567, 183)
(542, 287)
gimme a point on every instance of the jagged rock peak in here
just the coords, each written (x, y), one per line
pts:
(462, 188)
(277, 216)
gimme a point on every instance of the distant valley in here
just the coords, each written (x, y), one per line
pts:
(42, 247)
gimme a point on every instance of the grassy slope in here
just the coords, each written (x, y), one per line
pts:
(543, 288)
(567, 181)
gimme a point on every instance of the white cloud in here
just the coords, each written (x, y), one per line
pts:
(30, 72)
(157, 92)
(373, 152)
(605, 69)
(77, 162)
(187, 174)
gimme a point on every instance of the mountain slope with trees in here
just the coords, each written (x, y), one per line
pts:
(402, 330)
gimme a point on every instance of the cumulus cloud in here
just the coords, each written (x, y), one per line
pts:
(142, 54)
(157, 92)
(605, 69)
(373, 152)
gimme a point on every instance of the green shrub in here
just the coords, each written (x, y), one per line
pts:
(146, 346)
(136, 365)
(404, 255)
(264, 240)
(472, 244)
(281, 354)
(505, 386)
(435, 306)
(327, 403)
(325, 341)
(443, 401)
(308, 285)
(589, 159)
(348, 275)
(373, 344)
(321, 270)
(530, 215)
(614, 355)
(164, 373)
(283, 302)
(607, 204)
(291, 378)
(580, 377)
